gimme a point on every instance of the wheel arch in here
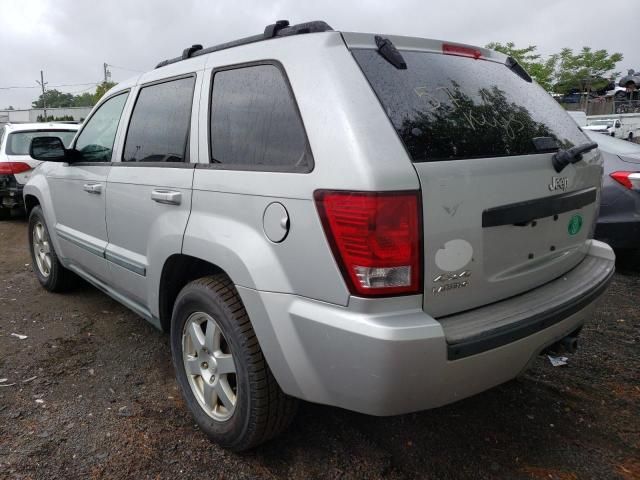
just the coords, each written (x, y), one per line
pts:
(178, 270)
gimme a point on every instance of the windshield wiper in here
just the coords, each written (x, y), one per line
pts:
(572, 155)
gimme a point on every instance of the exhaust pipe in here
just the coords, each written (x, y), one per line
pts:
(568, 344)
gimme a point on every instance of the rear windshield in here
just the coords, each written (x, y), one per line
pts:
(18, 143)
(446, 107)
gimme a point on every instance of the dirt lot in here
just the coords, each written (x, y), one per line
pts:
(91, 393)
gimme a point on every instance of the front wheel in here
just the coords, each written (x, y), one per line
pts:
(222, 372)
(50, 272)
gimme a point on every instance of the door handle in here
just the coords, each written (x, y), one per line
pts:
(168, 197)
(95, 188)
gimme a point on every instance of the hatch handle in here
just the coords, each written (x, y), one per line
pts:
(573, 155)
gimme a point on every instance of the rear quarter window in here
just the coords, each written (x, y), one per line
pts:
(446, 107)
(255, 123)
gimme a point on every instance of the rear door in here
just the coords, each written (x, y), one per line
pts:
(149, 187)
(498, 219)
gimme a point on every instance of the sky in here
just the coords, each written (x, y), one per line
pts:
(71, 39)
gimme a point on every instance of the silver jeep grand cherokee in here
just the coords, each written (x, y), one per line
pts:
(380, 223)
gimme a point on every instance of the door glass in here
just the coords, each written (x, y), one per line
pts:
(159, 125)
(255, 122)
(95, 142)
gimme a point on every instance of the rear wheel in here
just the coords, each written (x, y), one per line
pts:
(50, 272)
(5, 213)
(222, 372)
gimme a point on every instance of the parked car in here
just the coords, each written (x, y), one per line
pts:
(606, 126)
(379, 223)
(619, 219)
(16, 165)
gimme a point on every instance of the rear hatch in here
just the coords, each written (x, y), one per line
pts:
(498, 219)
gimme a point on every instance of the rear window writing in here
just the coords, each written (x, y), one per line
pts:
(447, 107)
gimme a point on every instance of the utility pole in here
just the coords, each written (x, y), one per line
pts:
(42, 83)
(107, 73)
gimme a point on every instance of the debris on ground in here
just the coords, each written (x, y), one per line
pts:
(558, 361)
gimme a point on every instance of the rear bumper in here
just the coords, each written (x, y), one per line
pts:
(389, 357)
(619, 234)
(10, 192)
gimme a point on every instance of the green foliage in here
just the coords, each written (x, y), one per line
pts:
(54, 98)
(103, 88)
(541, 70)
(51, 118)
(562, 72)
(57, 99)
(586, 70)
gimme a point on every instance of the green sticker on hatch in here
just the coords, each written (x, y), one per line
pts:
(575, 224)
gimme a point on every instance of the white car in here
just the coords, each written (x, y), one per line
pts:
(607, 126)
(15, 163)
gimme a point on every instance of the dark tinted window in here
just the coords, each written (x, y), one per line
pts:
(255, 122)
(159, 125)
(95, 142)
(447, 107)
(18, 143)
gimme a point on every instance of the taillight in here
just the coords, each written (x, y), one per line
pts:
(461, 51)
(630, 180)
(375, 238)
(9, 168)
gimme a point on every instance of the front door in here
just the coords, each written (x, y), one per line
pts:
(78, 191)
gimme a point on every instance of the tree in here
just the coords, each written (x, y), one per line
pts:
(586, 70)
(85, 100)
(563, 72)
(541, 70)
(54, 98)
(103, 88)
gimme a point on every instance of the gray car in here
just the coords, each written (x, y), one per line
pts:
(619, 219)
(379, 223)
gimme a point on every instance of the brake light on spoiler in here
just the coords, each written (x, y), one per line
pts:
(461, 51)
(376, 239)
(11, 168)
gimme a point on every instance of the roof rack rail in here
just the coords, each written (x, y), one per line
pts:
(279, 29)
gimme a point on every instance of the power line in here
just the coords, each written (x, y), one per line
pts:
(123, 68)
(52, 86)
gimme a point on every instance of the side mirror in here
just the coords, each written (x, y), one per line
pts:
(48, 149)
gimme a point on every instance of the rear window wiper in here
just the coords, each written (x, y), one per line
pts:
(390, 53)
(564, 157)
(513, 65)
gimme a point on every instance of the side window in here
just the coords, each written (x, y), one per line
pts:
(159, 126)
(255, 123)
(95, 142)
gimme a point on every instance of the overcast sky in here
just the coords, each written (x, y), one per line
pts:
(70, 40)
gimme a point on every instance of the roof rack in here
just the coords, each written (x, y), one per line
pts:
(279, 29)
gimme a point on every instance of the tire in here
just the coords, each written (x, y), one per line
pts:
(54, 277)
(5, 213)
(205, 310)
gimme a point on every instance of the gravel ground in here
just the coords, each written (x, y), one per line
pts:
(90, 393)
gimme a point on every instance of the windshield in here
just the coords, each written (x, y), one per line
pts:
(18, 143)
(447, 107)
